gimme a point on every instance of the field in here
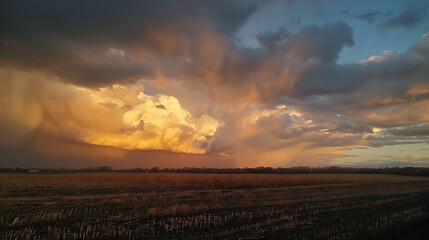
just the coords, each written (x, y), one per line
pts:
(213, 206)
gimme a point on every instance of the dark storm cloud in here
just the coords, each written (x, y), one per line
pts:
(322, 43)
(409, 18)
(413, 130)
(270, 39)
(330, 78)
(286, 57)
(100, 43)
(116, 21)
(89, 43)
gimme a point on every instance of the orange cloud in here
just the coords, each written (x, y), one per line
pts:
(118, 116)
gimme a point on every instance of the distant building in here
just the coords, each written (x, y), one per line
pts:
(33, 170)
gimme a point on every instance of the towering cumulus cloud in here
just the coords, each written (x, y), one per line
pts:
(212, 83)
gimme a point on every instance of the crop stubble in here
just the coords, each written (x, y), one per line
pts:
(212, 206)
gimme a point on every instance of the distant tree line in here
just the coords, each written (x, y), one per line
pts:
(409, 171)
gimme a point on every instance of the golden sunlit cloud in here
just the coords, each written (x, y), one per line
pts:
(117, 116)
(156, 122)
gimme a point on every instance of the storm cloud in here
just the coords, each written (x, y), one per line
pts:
(209, 79)
(92, 43)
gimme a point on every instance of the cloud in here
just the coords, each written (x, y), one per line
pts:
(97, 43)
(73, 72)
(168, 128)
(126, 117)
(42, 150)
(369, 16)
(354, 128)
(282, 135)
(162, 41)
(389, 75)
(412, 130)
(58, 119)
(117, 116)
(270, 39)
(408, 18)
(320, 43)
(386, 55)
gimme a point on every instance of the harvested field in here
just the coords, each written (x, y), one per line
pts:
(213, 206)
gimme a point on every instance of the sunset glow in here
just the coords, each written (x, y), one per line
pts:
(214, 84)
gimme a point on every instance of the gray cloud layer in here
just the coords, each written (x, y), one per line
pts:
(413, 130)
(73, 39)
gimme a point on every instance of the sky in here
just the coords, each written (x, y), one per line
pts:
(214, 83)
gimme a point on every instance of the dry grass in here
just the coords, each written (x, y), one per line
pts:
(180, 180)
